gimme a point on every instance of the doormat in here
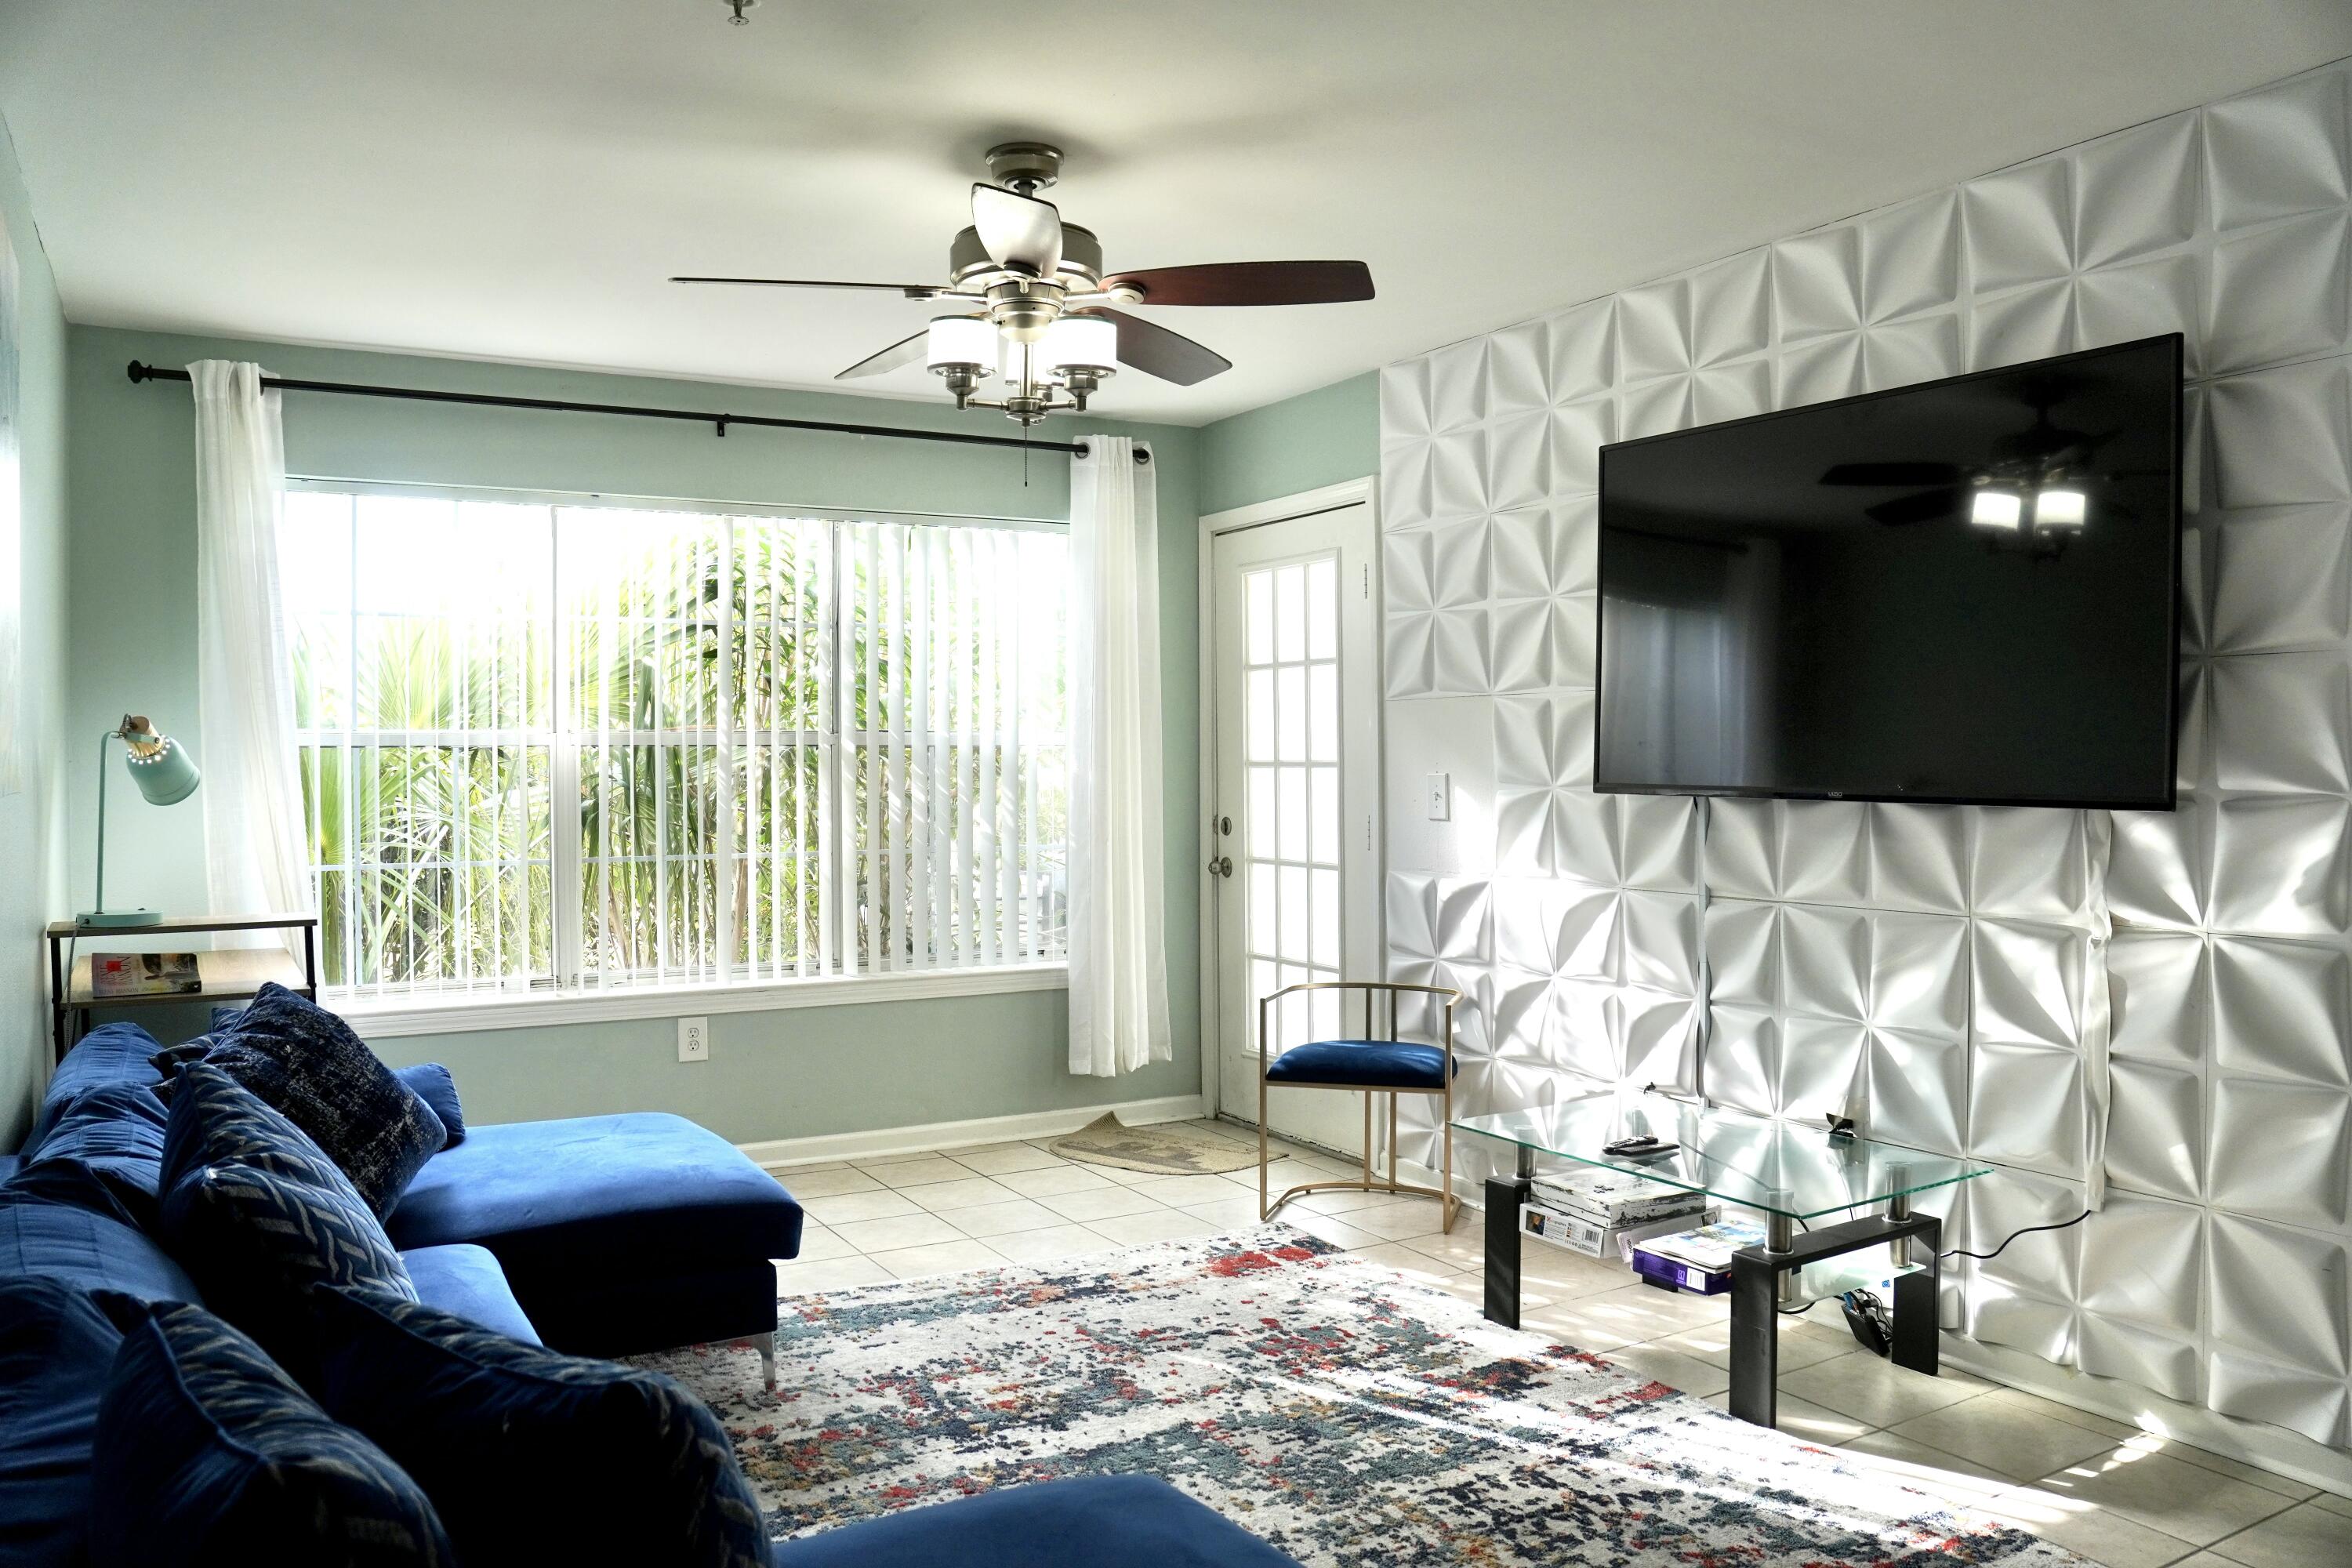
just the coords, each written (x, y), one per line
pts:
(1174, 1150)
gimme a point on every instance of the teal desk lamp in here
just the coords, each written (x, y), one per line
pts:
(165, 775)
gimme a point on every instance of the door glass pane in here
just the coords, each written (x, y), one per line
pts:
(1291, 720)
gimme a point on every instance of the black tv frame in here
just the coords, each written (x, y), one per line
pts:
(2171, 798)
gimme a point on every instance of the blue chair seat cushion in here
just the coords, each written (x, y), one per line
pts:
(57, 1350)
(569, 1200)
(207, 1453)
(258, 1214)
(85, 1247)
(307, 1065)
(465, 1282)
(1362, 1064)
(620, 1465)
(1081, 1523)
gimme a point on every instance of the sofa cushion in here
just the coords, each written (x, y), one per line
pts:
(258, 1214)
(431, 1082)
(1056, 1524)
(207, 1453)
(94, 1250)
(104, 1151)
(621, 1465)
(465, 1282)
(573, 1198)
(110, 1054)
(56, 1349)
(308, 1065)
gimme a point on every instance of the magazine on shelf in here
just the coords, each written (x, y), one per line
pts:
(1578, 1234)
(1709, 1248)
(144, 974)
(1613, 1197)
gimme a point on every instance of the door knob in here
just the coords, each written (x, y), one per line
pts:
(1222, 865)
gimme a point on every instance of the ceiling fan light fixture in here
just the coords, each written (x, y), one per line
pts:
(2060, 508)
(1081, 343)
(964, 343)
(1997, 508)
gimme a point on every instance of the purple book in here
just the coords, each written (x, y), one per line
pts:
(1681, 1275)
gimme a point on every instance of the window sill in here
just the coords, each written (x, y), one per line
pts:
(407, 1017)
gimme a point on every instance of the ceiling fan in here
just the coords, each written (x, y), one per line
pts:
(2039, 471)
(1034, 306)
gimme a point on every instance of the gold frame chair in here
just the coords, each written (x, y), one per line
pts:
(1449, 1205)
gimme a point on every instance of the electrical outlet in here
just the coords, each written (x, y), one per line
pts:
(694, 1039)
(1441, 798)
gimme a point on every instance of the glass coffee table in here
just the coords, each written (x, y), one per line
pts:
(1793, 1175)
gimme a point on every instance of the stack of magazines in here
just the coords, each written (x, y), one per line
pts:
(1696, 1260)
(1600, 1212)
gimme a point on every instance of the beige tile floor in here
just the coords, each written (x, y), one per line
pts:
(2108, 1491)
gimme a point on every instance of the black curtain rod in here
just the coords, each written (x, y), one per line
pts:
(140, 371)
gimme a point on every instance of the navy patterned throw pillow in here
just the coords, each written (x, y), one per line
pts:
(207, 1454)
(308, 1065)
(257, 1214)
(621, 1465)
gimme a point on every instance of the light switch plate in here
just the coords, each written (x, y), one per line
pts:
(694, 1039)
(1441, 798)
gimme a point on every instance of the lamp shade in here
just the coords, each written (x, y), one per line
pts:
(160, 766)
(960, 343)
(1081, 342)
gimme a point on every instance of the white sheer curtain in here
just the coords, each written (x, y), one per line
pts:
(255, 856)
(1119, 969)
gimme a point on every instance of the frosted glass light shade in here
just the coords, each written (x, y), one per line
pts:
(1996, 509)
(1082, 343)
(961, 342)
(2059, 509)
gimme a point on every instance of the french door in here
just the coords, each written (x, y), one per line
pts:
(1295, 863)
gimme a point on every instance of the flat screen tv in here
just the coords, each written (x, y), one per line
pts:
(1961, 591)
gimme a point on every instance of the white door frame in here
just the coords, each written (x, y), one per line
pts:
(1347, 492)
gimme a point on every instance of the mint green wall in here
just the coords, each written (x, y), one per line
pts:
(32, 876)
(1301, 442)
(771, 1075)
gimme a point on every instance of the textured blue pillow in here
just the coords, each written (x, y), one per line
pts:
(57, 1347)
(257, 1215)
(308, 1066)
(207, 1454)
(431, 1082)
(619, 1465)
(104, 1152)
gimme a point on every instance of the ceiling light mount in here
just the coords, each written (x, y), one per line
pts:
(1025, 167)
(739, 7)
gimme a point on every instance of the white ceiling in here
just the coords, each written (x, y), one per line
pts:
(514, 181)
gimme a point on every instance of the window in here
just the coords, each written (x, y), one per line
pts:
(578, 747)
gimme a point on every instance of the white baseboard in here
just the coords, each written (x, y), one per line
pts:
(781, 1153)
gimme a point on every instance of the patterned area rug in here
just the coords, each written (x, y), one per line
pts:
(1175, 1151)
(1344, 1415)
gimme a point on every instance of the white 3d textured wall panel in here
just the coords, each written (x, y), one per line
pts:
(1943, 970)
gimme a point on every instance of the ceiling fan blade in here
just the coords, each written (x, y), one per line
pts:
(1251, 283)
(911, 290)
(905, 351)
(1155, 350)
(1895, 474)
(1017, 230)
(1928, 506)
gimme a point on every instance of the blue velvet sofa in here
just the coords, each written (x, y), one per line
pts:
(599, 1236)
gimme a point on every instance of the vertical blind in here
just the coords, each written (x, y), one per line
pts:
(592, 747)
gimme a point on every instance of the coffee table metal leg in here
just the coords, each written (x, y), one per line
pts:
(1916, 1344)
(1755, 1340)
(1503, 1201)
